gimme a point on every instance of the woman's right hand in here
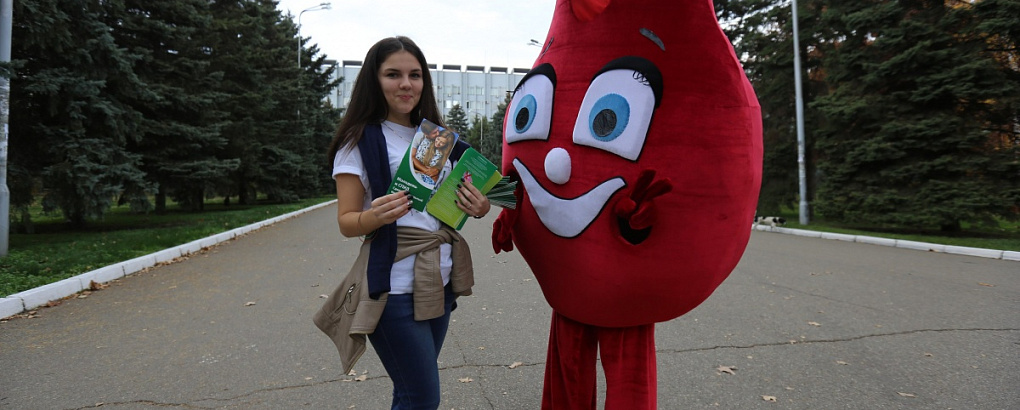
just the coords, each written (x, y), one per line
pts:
(388, 208)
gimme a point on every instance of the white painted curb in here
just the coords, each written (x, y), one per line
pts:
(875, 240)
(920, 246)
(11, 306)
(898, 243)
(33, 298)
(839, 236)
(1011, 256)
(965, 250)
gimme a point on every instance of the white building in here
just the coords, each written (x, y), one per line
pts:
(478, 91)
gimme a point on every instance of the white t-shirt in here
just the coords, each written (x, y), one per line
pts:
(398, 139)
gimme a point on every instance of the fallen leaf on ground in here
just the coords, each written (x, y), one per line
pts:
(514, 365)
(361, 378)
(906, 394)
(249, 304)
(93, 285)
(726, 369)
(465, 380)
(814, 323)
(986, 284)
(769, 398)
(841, 362)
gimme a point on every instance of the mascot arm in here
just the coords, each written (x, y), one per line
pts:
(502, 229)
(502, 235)
(638, 209)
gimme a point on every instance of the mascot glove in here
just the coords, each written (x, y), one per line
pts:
(638, 208)
(502, 235)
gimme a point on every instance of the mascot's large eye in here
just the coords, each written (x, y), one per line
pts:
(617, 110)
(530, 112)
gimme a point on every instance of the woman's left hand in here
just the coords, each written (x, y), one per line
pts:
(471, 200)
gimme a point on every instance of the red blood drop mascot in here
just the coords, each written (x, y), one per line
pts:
(636, 139)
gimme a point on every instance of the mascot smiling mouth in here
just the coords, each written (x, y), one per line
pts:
(567, 217)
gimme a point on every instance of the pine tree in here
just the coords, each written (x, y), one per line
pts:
(179, 139)
(254, 52)
(472, 135)
(913, 123)
(456, 119)
(290, 160)
(494, 142)
(70, 123)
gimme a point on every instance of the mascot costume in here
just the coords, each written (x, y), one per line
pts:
(636, 141)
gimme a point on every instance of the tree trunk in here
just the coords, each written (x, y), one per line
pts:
(160, 200)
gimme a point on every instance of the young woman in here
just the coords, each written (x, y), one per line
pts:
(392, 94)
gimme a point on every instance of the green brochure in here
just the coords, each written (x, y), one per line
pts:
(473, 168)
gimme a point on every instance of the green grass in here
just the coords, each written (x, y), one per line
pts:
(57, 251)
(1005, 237)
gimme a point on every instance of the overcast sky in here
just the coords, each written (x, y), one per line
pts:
(465, 32)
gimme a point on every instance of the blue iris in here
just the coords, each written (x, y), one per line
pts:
(524, 116)
(608, 117)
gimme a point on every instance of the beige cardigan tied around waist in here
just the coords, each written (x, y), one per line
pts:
(349, 314)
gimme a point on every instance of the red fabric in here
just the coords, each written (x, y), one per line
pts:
(628, 361)
(587, 9)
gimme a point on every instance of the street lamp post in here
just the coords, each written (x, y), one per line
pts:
(6, 27)
(801, 162)
(321, 6)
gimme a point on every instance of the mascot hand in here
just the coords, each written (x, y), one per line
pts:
(502, 236)
(638, 208)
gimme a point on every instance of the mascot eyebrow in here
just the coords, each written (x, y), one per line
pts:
(645, 72)
(549, 44)
(655, 39)
(545, 69)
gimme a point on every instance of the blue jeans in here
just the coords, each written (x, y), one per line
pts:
(409, 350)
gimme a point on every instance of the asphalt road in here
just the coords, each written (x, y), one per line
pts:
(801, 323)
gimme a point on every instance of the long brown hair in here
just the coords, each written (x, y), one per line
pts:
(368, 105)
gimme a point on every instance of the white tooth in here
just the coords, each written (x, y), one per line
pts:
(567, 217)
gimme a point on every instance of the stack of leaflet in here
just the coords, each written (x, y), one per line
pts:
(503, 193)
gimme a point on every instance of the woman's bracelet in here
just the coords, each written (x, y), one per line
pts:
(368, 236)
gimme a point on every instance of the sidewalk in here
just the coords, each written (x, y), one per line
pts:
(809, 324)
